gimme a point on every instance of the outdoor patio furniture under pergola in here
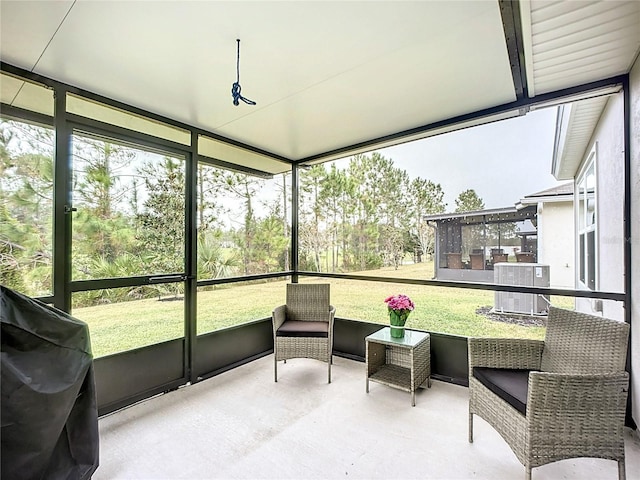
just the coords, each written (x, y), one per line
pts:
(468, 244)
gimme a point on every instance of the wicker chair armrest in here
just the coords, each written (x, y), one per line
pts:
(332, 314)
(560, 400)
(279, 315)
(505, 353)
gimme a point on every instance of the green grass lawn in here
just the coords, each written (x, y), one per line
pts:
(123, 326)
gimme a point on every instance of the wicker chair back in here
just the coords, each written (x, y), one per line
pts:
(579, 343)
(308, 302)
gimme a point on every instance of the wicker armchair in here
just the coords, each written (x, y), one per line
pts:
(303, 328)
(560, 398)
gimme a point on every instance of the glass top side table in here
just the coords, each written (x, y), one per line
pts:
(403, 363)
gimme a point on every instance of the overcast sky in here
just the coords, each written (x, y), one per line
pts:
(502, 161)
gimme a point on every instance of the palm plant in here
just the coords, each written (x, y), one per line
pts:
(212, 260)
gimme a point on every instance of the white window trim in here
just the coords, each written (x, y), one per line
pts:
(586, 166)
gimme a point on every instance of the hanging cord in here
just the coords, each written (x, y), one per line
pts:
(236, 88)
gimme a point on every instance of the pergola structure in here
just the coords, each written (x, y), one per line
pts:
(331, 79)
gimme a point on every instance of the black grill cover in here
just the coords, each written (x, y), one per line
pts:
(49, 414)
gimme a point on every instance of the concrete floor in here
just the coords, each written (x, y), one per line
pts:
(242, 425)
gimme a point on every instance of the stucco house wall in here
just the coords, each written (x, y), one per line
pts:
(608, 143)
(634, 83)
(556, 248)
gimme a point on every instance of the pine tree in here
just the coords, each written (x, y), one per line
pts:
(469, 201)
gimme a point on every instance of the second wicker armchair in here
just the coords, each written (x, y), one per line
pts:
(558, 399)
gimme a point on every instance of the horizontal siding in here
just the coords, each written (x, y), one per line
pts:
(577, 18)
(580, 42)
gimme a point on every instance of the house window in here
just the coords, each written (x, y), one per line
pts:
(587, 225)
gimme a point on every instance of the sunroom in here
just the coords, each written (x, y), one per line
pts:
(468, 245)
(140, 198)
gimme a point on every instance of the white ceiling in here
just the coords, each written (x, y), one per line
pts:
(325, 75)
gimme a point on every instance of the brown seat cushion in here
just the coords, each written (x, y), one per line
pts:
(300, 328)
(511, 385)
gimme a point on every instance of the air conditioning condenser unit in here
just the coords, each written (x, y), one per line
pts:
(526, 275)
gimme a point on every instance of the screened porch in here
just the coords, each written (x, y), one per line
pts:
(144, 196)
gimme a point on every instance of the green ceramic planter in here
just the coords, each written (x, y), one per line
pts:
(397, 321)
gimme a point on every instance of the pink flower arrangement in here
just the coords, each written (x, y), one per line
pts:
(399, 303)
